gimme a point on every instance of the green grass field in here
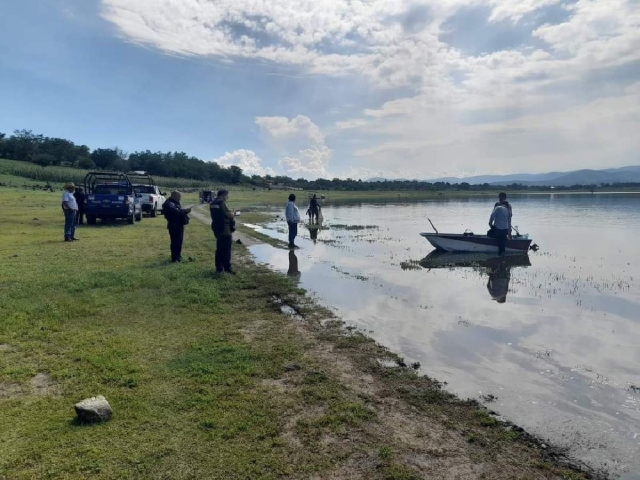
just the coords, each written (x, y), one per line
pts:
(195, 368)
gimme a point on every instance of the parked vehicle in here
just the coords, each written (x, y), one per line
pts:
(109, 196)
(206, 196)
(152, 198)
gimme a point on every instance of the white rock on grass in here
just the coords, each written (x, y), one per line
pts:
(94, 409)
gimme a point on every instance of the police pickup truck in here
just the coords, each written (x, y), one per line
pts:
(109, 196)
(152, 198)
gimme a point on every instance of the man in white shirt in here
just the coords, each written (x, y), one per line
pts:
(293, 218)
(69, 208)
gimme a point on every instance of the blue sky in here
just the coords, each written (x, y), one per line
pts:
(333, 88)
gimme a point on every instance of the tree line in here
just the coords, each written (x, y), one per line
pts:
(26, 146)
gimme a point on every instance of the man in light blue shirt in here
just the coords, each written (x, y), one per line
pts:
(500, 223)
(293, 218)
(69, 208)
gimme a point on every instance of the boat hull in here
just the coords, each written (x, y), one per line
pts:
(454, 242)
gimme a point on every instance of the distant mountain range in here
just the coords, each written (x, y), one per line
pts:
(554, 179)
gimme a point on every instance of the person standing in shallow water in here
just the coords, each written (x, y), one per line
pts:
(314, 208)
(69, 208)
(177, 217)
(293, 218)
(223, 226)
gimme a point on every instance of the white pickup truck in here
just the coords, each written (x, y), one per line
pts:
(151, 200)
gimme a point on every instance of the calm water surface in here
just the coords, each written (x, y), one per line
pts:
(556, 338)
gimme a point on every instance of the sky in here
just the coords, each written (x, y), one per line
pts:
(325, 88)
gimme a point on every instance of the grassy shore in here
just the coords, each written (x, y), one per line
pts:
(207, 377)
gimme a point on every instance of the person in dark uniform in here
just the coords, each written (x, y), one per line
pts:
(177, 217)
(223, 226)
(79, 196)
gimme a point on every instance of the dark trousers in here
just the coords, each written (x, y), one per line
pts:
(293, 232)
(501, 237)
(79, 215)
(176, 232)
(69, 224)
(223, 253)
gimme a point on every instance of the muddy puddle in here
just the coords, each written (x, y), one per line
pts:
(553, 338)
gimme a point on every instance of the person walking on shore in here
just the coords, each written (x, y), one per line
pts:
(223, 226)
(293, 218)
(69, 208)
(177, 217)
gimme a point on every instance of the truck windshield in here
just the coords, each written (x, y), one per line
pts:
(111, 189)
(144, 188)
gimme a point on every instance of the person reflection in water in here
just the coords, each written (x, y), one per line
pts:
(293, 265)
(498, 284)
(313, 233)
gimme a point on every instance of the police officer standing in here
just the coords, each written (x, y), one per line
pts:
(223, 226)
(177, 217)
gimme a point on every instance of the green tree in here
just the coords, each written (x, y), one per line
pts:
(235, 174)
(86, 163)
(105, 158)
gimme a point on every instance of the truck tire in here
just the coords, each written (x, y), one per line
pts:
(131, 219)
(153, 212)
(91, 219)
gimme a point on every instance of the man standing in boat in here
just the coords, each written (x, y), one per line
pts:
(502, 200)
(500, 222)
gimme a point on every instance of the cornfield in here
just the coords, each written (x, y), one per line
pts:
(60, 175)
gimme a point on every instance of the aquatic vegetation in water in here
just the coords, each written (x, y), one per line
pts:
(411, 265)
(342, 226)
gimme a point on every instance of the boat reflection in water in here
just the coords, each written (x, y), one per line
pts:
(498, 269)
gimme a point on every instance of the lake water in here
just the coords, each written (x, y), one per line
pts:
(561, 351)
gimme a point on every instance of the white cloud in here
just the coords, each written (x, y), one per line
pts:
(247, 160)
(281, 128)
(300, 143)
(516, 9)
(310, 162)
(469, 112)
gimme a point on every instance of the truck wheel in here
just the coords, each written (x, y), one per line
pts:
(91, 219)
(153, 213)
(131, 219)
